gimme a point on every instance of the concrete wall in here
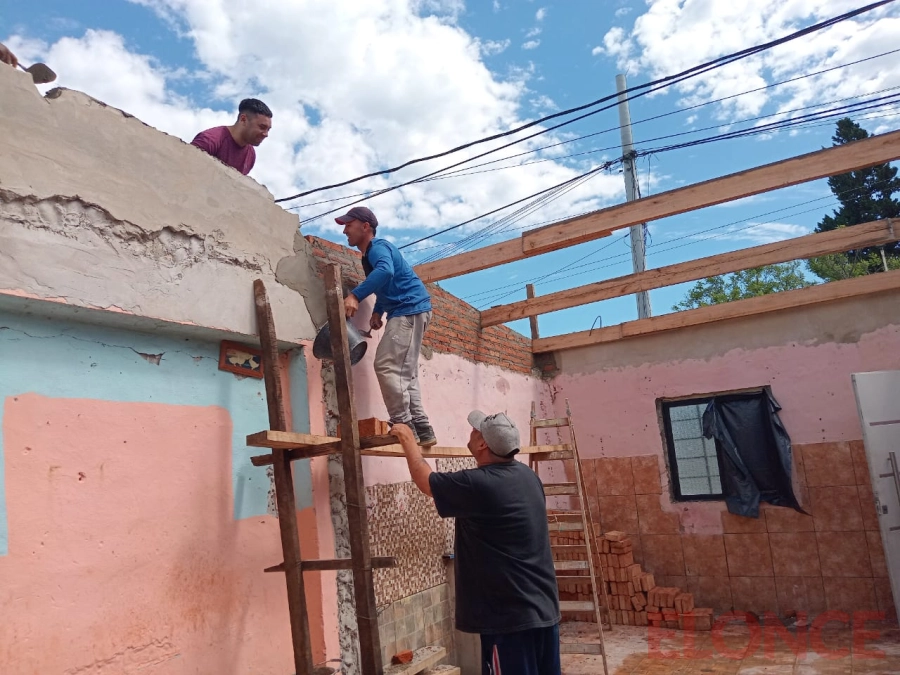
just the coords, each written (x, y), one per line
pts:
(99, 210)
(807, 356)
(133, 529)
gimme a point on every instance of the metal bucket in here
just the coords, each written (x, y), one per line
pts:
(358, 344)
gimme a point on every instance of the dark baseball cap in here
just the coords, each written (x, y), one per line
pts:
(500, 433)
(358, 213)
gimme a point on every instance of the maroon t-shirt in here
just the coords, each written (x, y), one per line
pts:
(219, 143)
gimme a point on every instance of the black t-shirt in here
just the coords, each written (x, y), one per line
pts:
(505, 581)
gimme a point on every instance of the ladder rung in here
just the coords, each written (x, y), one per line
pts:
(563, 526)
(567, 548)
(580, 648)
(570, 565)
(551, 456)
(576, 606)
(550, 422)
(560, 489)
(566, 580)
(576, 516)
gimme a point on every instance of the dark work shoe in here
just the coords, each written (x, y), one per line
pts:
(426, 435)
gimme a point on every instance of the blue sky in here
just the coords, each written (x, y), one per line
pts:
(357, 87)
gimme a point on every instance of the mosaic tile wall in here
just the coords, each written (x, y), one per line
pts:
(404, 523)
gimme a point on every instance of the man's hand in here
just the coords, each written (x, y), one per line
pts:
(351, 304)
(403, 433)
(7, 56)
(375, 322)
(419, 470)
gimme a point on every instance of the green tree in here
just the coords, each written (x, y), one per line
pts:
(864, 195)
(747, 284)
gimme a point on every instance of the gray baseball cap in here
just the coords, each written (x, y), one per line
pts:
(500, 433)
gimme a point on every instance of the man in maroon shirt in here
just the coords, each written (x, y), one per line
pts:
(234, 145)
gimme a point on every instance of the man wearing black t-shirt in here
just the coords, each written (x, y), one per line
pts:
(506, 584)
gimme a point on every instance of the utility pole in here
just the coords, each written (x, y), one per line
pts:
(632, 192)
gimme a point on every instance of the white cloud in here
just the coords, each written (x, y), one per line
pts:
(496, 6)
(531, 44)
(622, 11)
(761, 233)
(355, 87)
(673, 35)
(541, 14)
(544, 104)
(534, 32)
(492, 47)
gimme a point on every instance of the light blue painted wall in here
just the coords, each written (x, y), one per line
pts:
(72, 360)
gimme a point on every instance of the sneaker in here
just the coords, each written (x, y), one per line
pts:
(426, 435)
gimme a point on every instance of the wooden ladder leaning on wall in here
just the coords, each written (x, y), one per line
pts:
(573, 520)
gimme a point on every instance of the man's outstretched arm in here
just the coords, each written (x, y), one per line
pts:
(419, 469)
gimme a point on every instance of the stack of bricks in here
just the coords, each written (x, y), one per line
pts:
(634, 597)
(626, 583)
(371, 426)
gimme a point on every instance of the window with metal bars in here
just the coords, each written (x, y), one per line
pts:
(694, 461)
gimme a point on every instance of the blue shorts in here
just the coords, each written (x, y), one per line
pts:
(528, 652)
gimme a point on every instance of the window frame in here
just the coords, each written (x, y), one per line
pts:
(664, 405)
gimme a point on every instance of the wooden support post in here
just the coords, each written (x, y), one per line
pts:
(363, 582)
(529, 291)
(284, 485)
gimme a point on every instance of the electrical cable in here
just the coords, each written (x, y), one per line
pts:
(669, 80)
(757, 130)
(616, 128)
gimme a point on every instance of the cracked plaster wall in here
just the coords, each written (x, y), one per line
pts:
(100, 210)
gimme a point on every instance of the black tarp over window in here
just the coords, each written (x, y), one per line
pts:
(755, 450)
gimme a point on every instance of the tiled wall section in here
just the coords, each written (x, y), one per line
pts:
(404, 523)
(419, 620)
(832, 559)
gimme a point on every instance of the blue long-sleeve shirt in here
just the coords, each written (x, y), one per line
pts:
(398, 291)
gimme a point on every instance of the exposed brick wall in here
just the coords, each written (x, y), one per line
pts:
(455, 326)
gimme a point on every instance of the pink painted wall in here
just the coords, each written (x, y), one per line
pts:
(451, 388)
(807, 357)
(127, 556)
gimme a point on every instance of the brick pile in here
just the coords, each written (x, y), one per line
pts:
(633, 596)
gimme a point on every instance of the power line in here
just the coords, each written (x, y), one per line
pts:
(773, 127)
(644, 88)
(658, 138)
(591, 172)
(458, 172)
(673, 112)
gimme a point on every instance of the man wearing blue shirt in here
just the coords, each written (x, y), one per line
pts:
(401, 295)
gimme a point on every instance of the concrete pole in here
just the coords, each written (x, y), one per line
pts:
(638, 254)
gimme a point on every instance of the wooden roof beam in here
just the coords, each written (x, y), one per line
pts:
(858, 236)
(835, 290)
(588, 227)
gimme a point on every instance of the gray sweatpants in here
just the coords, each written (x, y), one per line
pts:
(397, 367)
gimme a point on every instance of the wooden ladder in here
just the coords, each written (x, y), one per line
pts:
(574, 520)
